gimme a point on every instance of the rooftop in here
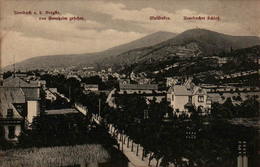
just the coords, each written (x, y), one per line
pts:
(61, 111)
(9, 96)
(181, 90)
(138, 86)
(187, 89)
(90, 85)
(18, 82)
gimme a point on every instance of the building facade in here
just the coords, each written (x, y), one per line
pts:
(19, 104)
(90, 87)
(181, 97)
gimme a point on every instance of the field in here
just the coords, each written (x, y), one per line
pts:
(54, 156)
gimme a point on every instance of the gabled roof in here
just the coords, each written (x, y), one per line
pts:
(138, 86)
(62, 111)
(199, 91)
(9, 96)
(17, 82)
(31, 93)
(13, 95)
(181, 90)
(30, 90)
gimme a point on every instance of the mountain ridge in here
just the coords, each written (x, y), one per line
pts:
(190, 43)
(193, 42)
(90, 58)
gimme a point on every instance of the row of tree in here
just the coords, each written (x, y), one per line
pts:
(183, 141)
(71, 88)
(246, 109)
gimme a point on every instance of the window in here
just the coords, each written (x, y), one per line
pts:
(10, 113)
(200, 109)
(201, 99)
(11, 132)
(172, 97)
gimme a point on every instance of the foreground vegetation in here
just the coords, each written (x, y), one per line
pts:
(205, 141)
(54, 156)
(213, 145)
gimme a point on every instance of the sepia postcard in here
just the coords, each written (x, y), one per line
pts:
(129, 83)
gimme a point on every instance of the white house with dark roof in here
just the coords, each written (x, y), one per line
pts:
(31, 92)
(181, 97)
(19, 104)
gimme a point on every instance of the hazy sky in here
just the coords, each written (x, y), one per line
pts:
(110, 23)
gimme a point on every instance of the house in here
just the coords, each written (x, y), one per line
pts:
(109, 70)
(51, 94)
(42, 84)
(124, 81)
(181, 97)
(142, 81)
(90, 87)
(12, 110)
(222, 60)
(31, 92)
(19, 104)
(63, 121)
(138, 88)
(148, 91)
(171, 81)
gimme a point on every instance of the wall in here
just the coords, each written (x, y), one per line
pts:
(33, 108)
(197, 103)
(136, 91)
(179, 102)
(91, 89)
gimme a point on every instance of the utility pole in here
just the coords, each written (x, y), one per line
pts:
(69, 92)
(99, 107)
(14, 64)
(123, 141)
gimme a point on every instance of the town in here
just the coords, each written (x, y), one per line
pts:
(39, 108)
(117, 83)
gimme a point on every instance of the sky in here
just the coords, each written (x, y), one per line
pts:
(109, 23)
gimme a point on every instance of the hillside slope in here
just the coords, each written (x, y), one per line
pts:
(191, 43)
(54, 61)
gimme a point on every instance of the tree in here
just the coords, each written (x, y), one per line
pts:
(250, 108)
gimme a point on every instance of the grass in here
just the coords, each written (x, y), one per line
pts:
(54, 156)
